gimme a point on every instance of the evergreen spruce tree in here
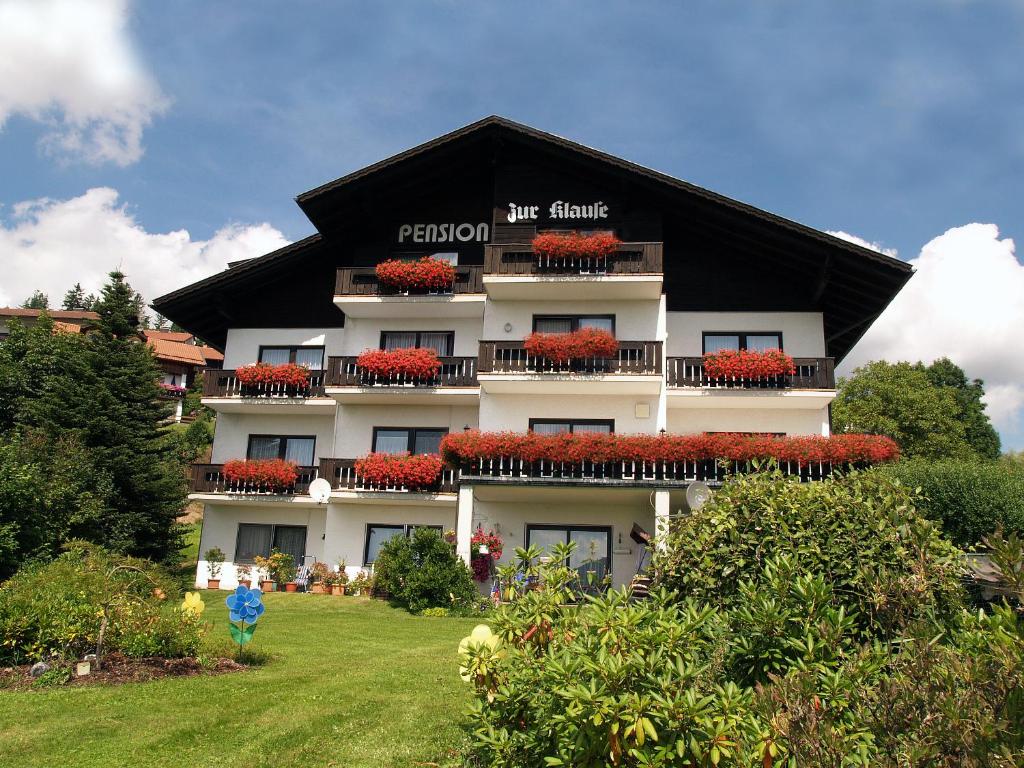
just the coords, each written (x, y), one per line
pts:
(108, 400)
(75, 298)
(38, 300)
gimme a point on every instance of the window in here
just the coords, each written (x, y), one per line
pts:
(716, 341)
(407, 439)
(257, 540)
(592, 557)
(442, 342)
(311, 357)
(288, 447)
(557, 426)
(568, 323)
(378, 535)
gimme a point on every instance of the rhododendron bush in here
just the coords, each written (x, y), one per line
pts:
(577, 345)
(415, 363)
(748, 364)
(275, 474)
(574, 245)
(390, 470)
(264, 374)
(427, 274)
(461, 449)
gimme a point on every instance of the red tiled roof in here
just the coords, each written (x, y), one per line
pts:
(56, 314)
(175, 351)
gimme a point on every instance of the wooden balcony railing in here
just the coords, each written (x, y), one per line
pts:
(362, 281)
(455, 372)
(209, 478)
(343, 477)
(519, 259)
(811, 373)
(633, 357)
(221, 383)
(626, 473)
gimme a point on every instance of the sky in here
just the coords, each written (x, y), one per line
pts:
(170, 138)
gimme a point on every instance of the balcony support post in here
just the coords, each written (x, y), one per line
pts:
(661, 515)
(464, 523)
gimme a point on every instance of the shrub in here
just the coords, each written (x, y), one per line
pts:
(970, 498)
(427, 273)
(421, 571)
(413, 362)
(748, 364)
(577, 345)
(389, 470)
(261, 474)
(57, 609)
(884, 561)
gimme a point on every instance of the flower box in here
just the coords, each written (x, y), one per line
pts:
(261, 475)
(266, 379)
(465, 449)
(748, 364)
(426, 274)
(575, 246)
(395, 470)
(586, 343)
(415, 364)
(173, 389)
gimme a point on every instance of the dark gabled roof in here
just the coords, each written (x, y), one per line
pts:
(501, 123)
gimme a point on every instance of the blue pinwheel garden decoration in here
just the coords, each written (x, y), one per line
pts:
(245, 606)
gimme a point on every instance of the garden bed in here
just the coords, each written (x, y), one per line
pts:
(119, 669)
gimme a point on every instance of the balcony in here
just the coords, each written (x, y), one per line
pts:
(455, 384)
(812, 386)
(348, 484)
(514, 271)
(207, 483)
(358, 293)
(225, 394)
(506, 367)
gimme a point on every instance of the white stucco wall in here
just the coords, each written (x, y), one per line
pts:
(634, 320)
(243, 344)
(513, 412)
(233, 429)
(364, 333)
(356, 423)
(803, 333)
(791, 421)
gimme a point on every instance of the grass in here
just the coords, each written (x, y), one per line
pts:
(348, 682)
(190, 536)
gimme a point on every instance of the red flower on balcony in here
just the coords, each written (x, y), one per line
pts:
(411, 362)
(261, 474)
(428, 274)
(577, 345)
(574, 245)
(396, 470)
(748, 364)
(264, 374)
(468, 448)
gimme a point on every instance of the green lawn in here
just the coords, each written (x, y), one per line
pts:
(349, 682)
(190, 537)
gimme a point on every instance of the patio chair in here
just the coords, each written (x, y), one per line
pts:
(302, 573)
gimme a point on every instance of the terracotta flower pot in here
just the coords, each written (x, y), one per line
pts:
(337, 589)
(213, 583)
(267, 586)
(291, 586)
(318, 589)
(247, 583)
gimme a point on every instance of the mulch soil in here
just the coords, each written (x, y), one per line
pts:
(119, 669)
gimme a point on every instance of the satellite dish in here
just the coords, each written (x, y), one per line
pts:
(697, 495)
(320, 490)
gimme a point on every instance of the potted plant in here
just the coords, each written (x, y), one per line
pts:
(214, 558)
(339, 579)
(243, 573)
(263, 570)
(283, 570)
(318, 574)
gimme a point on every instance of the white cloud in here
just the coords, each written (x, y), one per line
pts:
(51, 244)
(70, 64)
(862, 242)
(965, 302)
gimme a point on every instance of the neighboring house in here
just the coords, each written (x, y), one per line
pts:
(71, 321)
(181, 357)
(697, 272)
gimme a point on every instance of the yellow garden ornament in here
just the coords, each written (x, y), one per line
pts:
(480, 636)
(193, 603)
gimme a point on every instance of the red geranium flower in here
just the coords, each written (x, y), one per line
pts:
(577, 345)
(396, 470)
(748, 364)
(575, 245)
(261, 474)
(415, 363)
(426, 273)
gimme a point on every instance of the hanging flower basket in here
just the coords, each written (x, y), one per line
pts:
(573, 245)
(265, 379)
(748, 364)
(426, 274)
(417, 364)
(261, 475)
(396, 470)
(485, 549)
(586, 343)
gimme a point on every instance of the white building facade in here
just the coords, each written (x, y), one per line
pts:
(695, 273)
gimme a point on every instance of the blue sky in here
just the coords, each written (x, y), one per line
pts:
(894, 122)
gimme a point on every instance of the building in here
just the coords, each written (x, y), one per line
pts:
(695, 272)
(181, 357)
(69, 321)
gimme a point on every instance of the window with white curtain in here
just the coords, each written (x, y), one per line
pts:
(556, 426)
(568, 323)
(716, 341)
(311, 357)
(416, 440)
(377, 535)
(442, 342)
(298, 449)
